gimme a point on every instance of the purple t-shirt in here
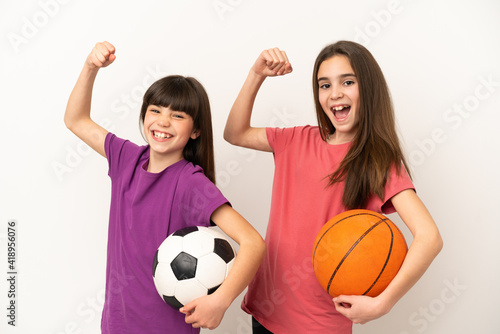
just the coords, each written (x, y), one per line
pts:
(145, 209)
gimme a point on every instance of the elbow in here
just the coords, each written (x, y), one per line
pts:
(438, 243)
(435, 243)
(75, 124)
(431, 242)
(68, 122)
(262, 249)
(259, 247)
(228, 136)
(236, 137)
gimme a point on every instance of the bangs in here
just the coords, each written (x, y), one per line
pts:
(174, 92)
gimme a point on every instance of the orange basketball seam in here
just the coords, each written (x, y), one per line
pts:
(386, 260)
(349, 251)
(319, 240)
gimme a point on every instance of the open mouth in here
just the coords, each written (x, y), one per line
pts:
(341, 112)
(161, 135)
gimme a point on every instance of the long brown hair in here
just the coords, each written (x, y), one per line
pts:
(186, 94)
(375, 148)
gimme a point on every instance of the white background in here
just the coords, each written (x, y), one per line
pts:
(440, 58)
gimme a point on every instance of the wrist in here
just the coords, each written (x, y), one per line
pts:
(89, 72)
(257, 77)
(222, 299)
(385, 303)
(254, 81)
(90, 68)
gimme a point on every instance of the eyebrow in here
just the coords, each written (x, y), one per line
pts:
(341, 76)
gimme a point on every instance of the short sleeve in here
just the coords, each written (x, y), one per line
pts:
(279, 138)
(197, 198)
(113, 147)
(119, 151)
(396, 183)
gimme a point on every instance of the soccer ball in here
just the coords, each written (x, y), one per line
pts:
(190, 263)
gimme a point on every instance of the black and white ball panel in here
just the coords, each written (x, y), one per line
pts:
(191, 263)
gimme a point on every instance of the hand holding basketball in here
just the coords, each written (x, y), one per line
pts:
(360, 309)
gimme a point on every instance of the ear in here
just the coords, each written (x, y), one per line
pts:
(195, 134)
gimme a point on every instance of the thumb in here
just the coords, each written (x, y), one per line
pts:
(111, 58)
(342, 301)
(189, 308)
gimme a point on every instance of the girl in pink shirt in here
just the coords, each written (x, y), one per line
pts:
(352, 159)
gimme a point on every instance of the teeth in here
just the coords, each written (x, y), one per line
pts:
(339, 108)
(162, 135)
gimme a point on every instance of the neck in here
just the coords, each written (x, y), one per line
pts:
(157, 164)
(337, 138)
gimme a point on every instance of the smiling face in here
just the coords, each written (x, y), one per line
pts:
(167, 132)
(338, 95)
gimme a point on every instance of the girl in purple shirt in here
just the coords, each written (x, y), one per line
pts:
(157, 189)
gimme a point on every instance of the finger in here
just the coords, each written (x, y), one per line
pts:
(109, 46)
(111, 58)
(287, 67)
(103, 48)
(269, 58)
(278, 59)
(111, 52)
(283, 53)
(189, 318)
(97, 57)
(342, 301)
(192, 320)
(188, 309)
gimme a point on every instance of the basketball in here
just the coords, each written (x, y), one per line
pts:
(358, 252)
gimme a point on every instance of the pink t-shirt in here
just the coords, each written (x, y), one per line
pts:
(285, 296)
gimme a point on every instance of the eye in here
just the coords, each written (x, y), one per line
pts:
(178, 115)
(349, 82)
(324, 86)
(154, 111)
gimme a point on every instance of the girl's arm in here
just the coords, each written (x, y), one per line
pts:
(207, 311)
(238, 130)
(427, 243)
(77, 116)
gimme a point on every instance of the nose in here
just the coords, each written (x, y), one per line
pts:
(336, 92)
(163, 120)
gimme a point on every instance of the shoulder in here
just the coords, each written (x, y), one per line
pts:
(113, 142)
(282, 137)
(121, 152)
(195, 188)
(188, 168)
(397, 182)
(193, 176)
(293, 131)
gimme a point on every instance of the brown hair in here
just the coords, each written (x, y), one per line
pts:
(375, 147)
(186, 94)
